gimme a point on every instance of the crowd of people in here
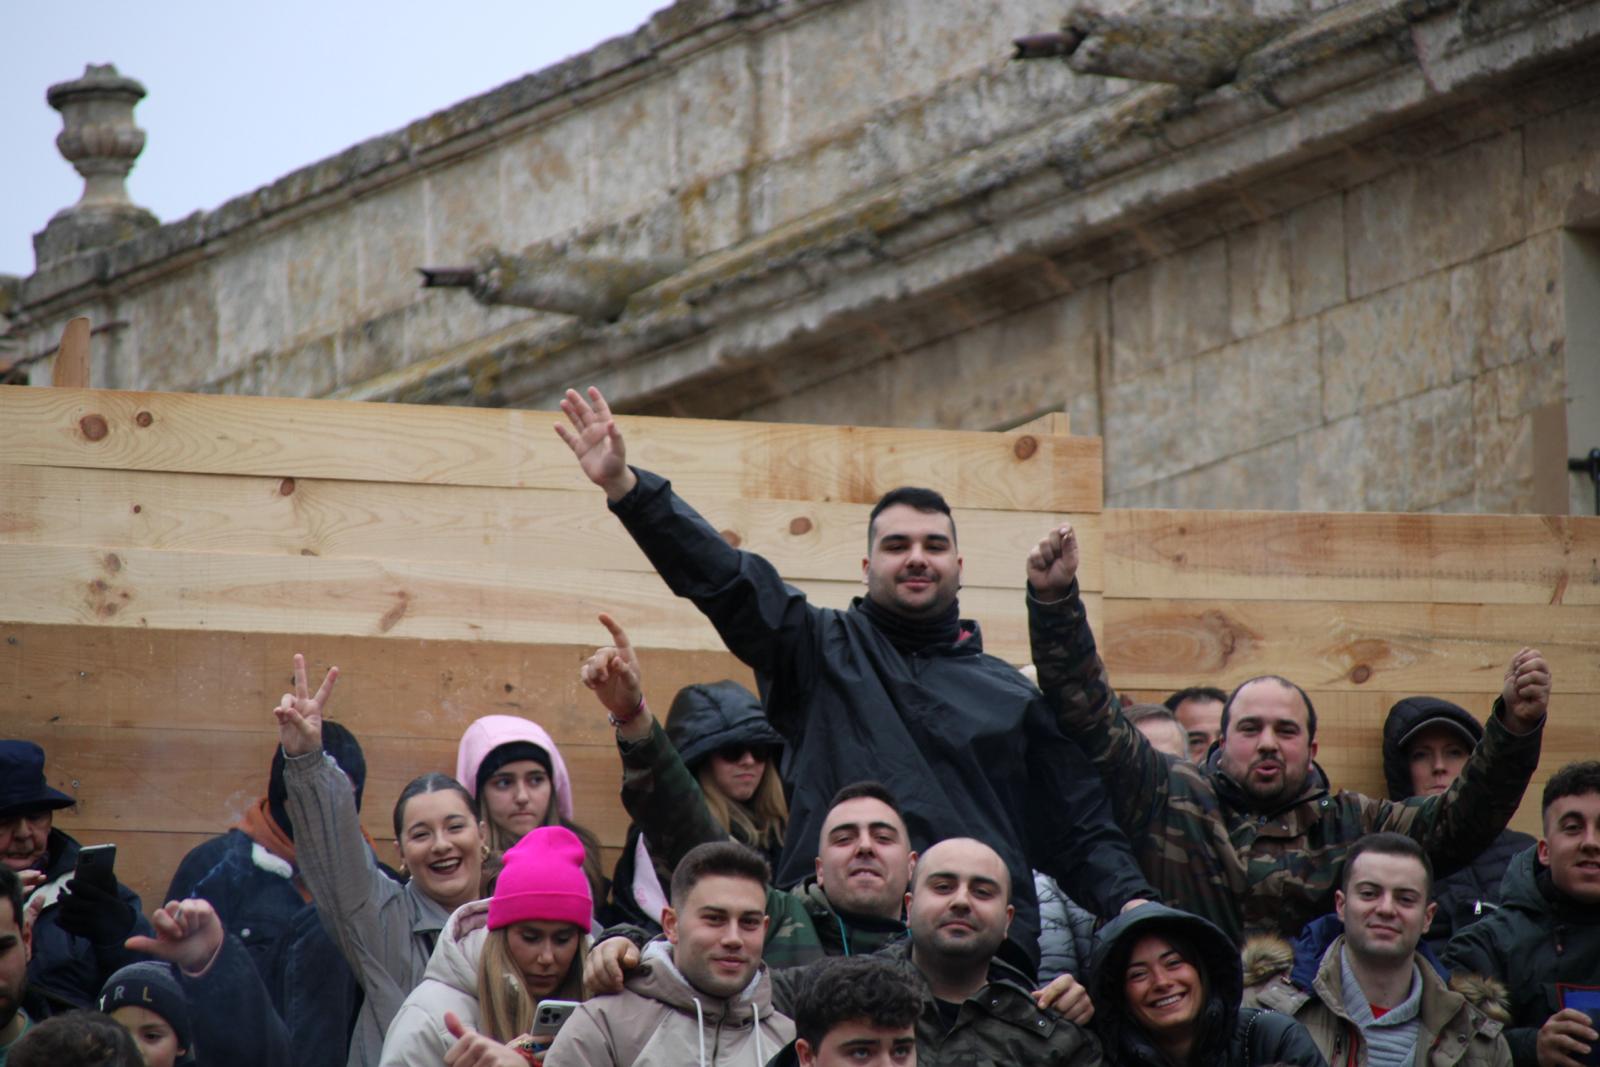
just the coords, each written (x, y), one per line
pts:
(902, 850)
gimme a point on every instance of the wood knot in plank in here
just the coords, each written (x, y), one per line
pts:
(1360, 673)
(799, 525)
(393, 616)
(731, 537)
(138, 508)
(113, 563)
(286, 487)
(1025, 447)
(144, 418)
(94, 427)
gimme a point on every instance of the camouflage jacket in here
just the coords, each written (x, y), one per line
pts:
(1203, 844)
(998, 1026)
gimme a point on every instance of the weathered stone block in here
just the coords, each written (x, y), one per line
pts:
(1435, 214)
(631, 158)
(374, 346)
(1562, 157)
(1154, 428)
(323, 272)
(1259, 290)
(252, 293)
(714, 111)
(1260, 390)
(823, 73)
(1172, 309)
(173, 331)
(546, 180)
(1502, 455)
(1334, 461)
(391, 228)
(1266, 479)
(1316, 255)
(465, 209)
(1388, 346)
(310, 370)
(1428, 438)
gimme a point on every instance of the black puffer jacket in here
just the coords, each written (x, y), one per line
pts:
(66, 967)
(702, 719)
(1474, 891)
(1229, 1035)
(965, 743)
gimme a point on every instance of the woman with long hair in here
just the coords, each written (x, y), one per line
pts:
(385, 930)
(717, 737)
(519, 781)
(1167, 988)
(492, 979)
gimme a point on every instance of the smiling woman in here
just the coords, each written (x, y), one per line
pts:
(1167, 988)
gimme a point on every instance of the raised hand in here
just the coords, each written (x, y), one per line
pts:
(612, 672)
(472, 1049)
(1527, 689)
(596, 441)
(299, 714)
(1053, 564)
(188, 933)
(1067, 997)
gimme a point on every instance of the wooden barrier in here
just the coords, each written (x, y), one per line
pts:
(162, 557)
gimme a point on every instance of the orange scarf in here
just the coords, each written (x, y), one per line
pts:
(259, 825)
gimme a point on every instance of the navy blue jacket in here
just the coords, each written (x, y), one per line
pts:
(67, 968)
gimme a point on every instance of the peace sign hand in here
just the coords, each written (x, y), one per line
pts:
(300, 715)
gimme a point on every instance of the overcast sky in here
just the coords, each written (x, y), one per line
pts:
(242, 94)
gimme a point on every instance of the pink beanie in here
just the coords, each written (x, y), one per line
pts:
(543, 881)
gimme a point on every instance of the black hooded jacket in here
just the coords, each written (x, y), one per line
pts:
(1474, 891)
(1229, 1035)
(965, 743)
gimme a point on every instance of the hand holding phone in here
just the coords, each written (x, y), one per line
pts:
(1579, 1003)
(548, 1018)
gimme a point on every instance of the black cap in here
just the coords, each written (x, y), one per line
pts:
(23, 789)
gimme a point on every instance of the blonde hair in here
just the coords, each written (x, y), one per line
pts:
(761, 822)
(505, 1010)
(500, 839)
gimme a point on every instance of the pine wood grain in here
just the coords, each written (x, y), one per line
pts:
(1463, 559)
(498, 527)
(71, 367)
(278, 437)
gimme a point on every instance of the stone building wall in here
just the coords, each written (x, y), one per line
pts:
(1344, 281)
(1397, 346)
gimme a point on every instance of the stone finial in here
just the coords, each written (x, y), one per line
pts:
(594, 288)
(100, 140)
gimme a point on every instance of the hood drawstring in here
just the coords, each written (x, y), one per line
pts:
(700, 1025)
(755, 1021)
(844, 937)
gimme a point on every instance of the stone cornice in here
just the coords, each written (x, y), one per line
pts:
(672, 34)
(1085, 193)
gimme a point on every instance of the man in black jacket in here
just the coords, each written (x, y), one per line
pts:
(895, 688)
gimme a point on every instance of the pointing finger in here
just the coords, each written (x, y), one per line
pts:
(326, 689)
(618, 637)
(301, 689)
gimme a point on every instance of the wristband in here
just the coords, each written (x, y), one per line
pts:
(638, 710)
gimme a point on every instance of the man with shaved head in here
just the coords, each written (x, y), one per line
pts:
(1253, 838)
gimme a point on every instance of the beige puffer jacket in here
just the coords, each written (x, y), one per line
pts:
(417, 1037)
(660, 1020)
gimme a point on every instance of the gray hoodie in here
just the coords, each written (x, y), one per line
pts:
(660, 1020)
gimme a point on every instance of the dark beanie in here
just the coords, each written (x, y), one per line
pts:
(151, 986)
(337, 742)
(510, 752)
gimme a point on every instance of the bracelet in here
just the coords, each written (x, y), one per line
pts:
(638, 710)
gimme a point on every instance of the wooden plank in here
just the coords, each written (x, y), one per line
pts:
(1051, 422)
(1463, 559)
(402, 598)
(194, 780)
(509, 527)
(71, 367)
(101, 676)
(278, 437)
(1168, 644)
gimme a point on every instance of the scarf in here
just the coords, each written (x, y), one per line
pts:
(913, 635)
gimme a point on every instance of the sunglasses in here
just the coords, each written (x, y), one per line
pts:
(735, 752)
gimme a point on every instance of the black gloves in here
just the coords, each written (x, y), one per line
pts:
(91, 911)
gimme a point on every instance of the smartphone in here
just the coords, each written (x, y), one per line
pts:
(548, 1018)
(1587, 1000)
(96, 863)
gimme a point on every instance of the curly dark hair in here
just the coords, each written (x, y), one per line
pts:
(842, 989)
(81, 1038)
(1573, 780)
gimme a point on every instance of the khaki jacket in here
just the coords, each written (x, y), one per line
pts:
(660, 1020)
(1450, 1031)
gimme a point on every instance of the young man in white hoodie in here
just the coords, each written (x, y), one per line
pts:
(702, 996)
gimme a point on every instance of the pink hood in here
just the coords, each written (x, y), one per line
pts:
(490, 732)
